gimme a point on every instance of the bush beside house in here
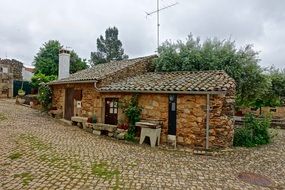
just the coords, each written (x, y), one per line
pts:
(254, 132)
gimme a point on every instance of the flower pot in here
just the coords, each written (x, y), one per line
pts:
(21, 93)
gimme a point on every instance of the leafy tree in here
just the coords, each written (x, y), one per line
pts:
(39, 78)
(277, 77)
(108, 48)
(46, 60)
(213, 54)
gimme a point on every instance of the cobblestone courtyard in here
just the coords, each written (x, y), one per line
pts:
(38, 152)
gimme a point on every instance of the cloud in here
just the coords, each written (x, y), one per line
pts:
(26, 25)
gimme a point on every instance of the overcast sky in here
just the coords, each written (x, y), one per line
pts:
(26, 24)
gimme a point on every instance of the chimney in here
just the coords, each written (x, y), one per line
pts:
(64, 63)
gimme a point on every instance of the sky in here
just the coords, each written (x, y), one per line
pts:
(26, 24)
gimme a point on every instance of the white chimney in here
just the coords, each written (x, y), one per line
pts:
(64, 63)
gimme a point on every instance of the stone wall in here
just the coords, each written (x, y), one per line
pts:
(90, 103)
(275, 112)
(15, 67)
(138, 68)
(191, 113)
(58, 96)
(155, 107)
(6, 79)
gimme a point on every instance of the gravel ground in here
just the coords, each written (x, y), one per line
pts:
(38, 152)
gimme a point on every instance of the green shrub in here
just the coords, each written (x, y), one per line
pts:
(45, 96)
(94, 119)
(40, 78)
(133, 112)
(254, 132)
(130, 136)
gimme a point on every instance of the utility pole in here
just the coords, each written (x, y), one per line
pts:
(158, 9)
(158, 24)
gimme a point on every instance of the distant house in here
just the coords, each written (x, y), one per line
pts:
(10, 70)
(189, 104)
(28, 72)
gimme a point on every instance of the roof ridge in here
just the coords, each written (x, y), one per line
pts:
(202, 71)
(118, 61)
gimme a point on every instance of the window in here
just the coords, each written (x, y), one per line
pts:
(113, 106)
(272, 109)
(5, 70)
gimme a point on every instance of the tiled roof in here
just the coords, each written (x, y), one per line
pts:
(174, 81)
(101, 71)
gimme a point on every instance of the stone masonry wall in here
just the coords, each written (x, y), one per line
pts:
(275, 112)
(155, 107)
(6, 79)
(58, 96)
(191, 113)
(136, 69)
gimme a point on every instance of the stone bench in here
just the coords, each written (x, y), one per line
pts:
(99, 127)
(79, 120)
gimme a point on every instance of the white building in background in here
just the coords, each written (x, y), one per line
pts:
(28, 72)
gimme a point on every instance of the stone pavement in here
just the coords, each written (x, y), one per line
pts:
(38, 152)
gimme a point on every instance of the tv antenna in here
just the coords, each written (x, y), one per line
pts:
(157, 11)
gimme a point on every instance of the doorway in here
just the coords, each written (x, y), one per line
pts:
(172, 114)
(111, 111)
(69, 103)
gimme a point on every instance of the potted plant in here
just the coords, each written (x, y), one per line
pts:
(21, 92)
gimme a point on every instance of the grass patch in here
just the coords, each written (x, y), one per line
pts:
(34, 141)
(50, 158)
(132, 164)
(26, 177)
(101, 170)
(2, 117)
(15, 156)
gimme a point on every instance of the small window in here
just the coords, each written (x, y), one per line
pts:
(253, 109)
(272, 109)
(5, 70)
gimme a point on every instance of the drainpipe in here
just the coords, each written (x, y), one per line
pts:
(207, 121)
(95, 86)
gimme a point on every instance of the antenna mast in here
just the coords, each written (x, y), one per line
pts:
(158, 24)
(158, 9)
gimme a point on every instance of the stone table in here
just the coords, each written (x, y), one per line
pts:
(150, 130)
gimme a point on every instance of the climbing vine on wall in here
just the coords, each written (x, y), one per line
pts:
(133, 112)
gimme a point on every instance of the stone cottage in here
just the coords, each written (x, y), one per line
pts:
(9, 70)
(194, 107)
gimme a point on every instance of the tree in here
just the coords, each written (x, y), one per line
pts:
(39, 78)
(46, 60)
(108, 48)
(213, 54)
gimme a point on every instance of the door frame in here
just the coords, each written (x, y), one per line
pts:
(172, 114)
(114, 108)
(66, 101)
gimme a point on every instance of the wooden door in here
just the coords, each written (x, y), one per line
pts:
(69, 103)
(172, 114)
(111, 111)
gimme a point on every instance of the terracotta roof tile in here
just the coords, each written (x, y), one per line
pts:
(175, 81)
(101, 71)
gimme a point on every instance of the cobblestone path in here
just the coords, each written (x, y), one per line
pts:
(38, 152)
